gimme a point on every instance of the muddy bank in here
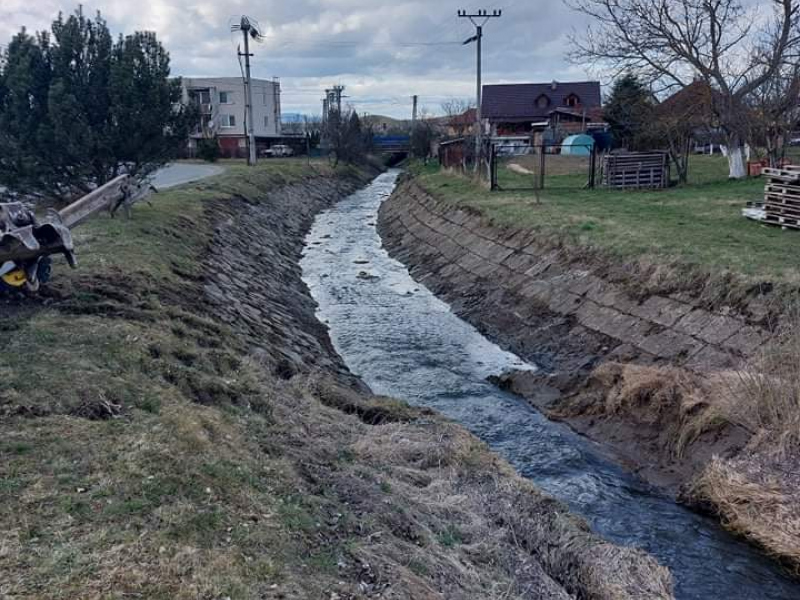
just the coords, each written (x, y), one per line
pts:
(434, 513)
(645, 375)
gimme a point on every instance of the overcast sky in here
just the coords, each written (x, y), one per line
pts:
(383, 51)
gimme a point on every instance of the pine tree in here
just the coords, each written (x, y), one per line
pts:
(629, 110)
(78, 109)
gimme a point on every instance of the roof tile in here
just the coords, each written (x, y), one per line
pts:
(518, 101)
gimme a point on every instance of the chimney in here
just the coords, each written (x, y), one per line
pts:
(554, 85)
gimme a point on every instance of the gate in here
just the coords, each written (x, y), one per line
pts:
(519, 165)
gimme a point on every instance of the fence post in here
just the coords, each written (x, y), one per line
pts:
(542, 161)
(492, 167)
(593, 167)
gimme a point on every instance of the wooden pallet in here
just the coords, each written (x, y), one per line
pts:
(783, 222)
(783, 213)
(788, 174)
(636, 170)
(782, 196)
(781, 203)
(783, 189)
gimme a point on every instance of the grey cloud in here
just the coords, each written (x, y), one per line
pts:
(371, 46)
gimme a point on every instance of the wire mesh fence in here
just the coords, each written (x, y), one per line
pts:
(518, 165)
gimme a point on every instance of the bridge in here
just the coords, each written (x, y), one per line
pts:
(392, 144)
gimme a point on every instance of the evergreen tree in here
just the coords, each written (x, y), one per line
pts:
(629, 111)
(77, 109)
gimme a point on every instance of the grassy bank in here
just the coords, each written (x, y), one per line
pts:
(699, 224)
(129, 461)
(145, 451)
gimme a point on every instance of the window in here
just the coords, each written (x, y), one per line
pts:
(264, 96)
(227, 121)
(572, 101)
(225, 98)
(266, 121)
(200, 96)
(542, 101)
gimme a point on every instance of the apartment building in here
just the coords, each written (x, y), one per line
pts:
(222, 108)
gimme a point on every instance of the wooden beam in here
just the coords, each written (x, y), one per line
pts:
(103, 197)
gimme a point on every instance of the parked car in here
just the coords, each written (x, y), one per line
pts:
(278, 151)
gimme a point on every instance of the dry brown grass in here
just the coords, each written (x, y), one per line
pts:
(755, 493)
(474, 503)
(670, 405)
(765, 395)
(755, 501)
(751, 487)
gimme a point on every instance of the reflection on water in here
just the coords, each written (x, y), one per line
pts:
(406, 343)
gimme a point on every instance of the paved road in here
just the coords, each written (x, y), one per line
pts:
(180, 173)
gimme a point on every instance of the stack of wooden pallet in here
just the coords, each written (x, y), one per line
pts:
(636, 170)
(782, 196)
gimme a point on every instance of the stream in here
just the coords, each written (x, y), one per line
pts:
(404, 342)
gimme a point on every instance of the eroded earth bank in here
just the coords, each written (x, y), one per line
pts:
(175, 423)
(674, 380)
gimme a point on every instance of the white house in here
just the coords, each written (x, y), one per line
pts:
(222, 108)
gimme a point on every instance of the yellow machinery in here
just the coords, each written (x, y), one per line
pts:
(27, 242)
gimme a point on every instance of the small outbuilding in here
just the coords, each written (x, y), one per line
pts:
(577, 145)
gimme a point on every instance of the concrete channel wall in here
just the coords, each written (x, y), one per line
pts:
(528, 298)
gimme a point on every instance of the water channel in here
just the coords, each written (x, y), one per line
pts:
(406, 343)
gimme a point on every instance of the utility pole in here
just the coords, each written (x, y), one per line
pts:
(479, 20)
(248, 93)
(415, 98)
(337, 92)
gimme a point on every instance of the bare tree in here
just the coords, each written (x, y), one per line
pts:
(672, 42)
(776, 112)
(423, 134)
(457, 118)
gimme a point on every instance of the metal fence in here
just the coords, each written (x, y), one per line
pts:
(518, 165)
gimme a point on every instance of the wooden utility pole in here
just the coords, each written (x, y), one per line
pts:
(248, 93)
(479, 20)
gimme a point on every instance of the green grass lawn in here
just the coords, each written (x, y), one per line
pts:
(698, 224)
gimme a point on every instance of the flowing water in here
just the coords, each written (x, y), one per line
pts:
(406, 343)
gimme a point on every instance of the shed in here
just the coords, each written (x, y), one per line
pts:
(577, 145)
